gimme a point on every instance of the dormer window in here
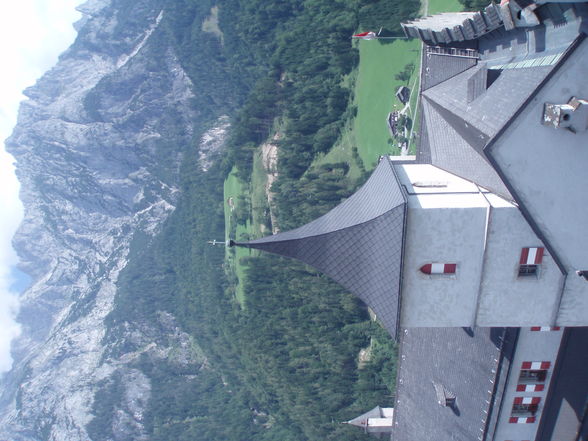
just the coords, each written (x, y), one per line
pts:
(445, 398)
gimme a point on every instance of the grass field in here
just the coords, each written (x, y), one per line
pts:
(259, 204)
(374, 92)
(233, 190)
(343, 151)
(437, 6)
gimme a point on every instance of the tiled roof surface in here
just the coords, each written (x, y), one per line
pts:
(464, 362)
(450, 152)
(438, 68)
(493, 108)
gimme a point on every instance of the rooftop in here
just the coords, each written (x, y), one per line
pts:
(468, 364)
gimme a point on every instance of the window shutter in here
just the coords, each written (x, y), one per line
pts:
(531, 256)
(439, 268)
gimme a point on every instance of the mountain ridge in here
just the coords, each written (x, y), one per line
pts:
(88, 147)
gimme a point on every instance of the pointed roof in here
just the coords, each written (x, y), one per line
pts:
(375, 422)
(439, 67)
(358, 243)
(448, 150)
(362, 420)
(494, 105)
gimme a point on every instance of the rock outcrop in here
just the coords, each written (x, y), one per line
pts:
(97, 156)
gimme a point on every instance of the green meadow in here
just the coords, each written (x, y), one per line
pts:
(437, 6)
(375, 90)
(235, 192)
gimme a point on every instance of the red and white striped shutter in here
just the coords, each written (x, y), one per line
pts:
(527, 400)
(521, 420)
(439, 268)
(536, 365)
(531, 256)
(524, 400)
(530, 387)
(545, 328)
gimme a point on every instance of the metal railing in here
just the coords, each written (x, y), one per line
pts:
(452, 51)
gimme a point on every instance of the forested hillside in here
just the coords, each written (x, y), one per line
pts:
(286, 364)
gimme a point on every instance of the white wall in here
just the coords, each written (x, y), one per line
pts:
(442, 235)
(506, 299)
(453, 221)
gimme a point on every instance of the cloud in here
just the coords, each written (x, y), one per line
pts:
(33, 34)
(11, 217)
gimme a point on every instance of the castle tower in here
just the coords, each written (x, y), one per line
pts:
(358, 243)
(377, 422)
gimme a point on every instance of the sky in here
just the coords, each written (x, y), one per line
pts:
(32, 35)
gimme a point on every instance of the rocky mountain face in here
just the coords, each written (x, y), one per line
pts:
(98, 147)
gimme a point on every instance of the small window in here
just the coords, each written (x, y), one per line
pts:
(528, 270)
(532, 376)
(524, 409)
(438, 268)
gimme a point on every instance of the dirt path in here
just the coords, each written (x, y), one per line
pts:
(269, 159)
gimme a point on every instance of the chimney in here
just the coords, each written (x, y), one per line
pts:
(572, 116)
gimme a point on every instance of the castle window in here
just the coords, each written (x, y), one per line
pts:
(532, 376)
(528, 270)
(524, 409)
(439, 268)
(533, 372)
(530, 260)
(525, 406)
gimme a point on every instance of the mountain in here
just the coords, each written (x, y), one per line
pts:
(98, 147)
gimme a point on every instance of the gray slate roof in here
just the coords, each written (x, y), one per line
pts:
(449, 151)
(467, 102)
(494, 106)
(467, 363)
(358, 243)
(438, 68)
